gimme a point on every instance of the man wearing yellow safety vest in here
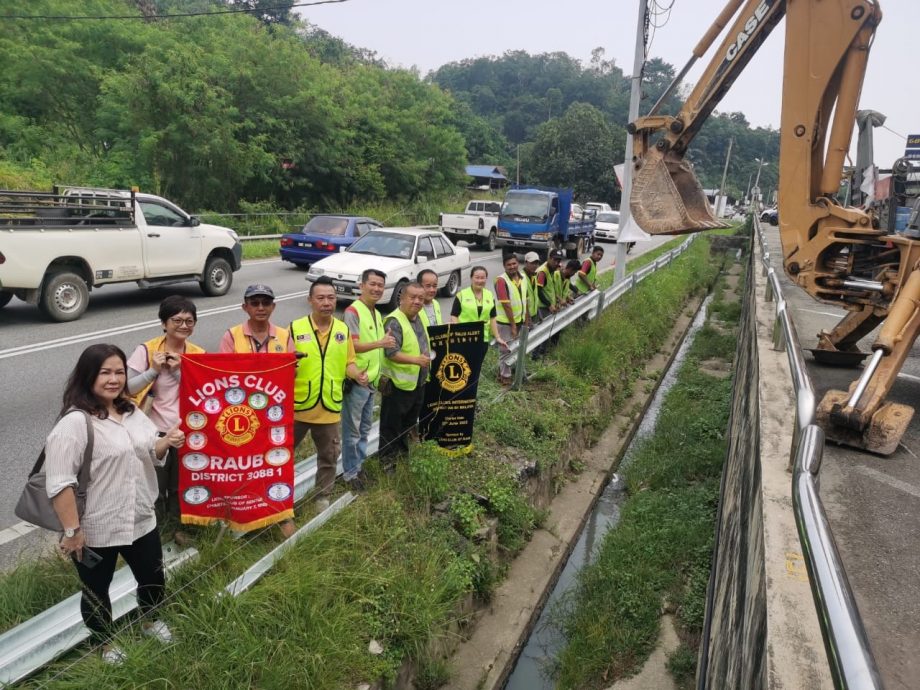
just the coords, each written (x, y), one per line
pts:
(513, 295)
(326, 358)
(258, 333)
(431, 309)
(369, 340)
(531, 264)
(586, 279)
(406, 366)
(549, 285)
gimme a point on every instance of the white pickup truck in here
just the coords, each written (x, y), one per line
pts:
(56, 247)
(479, 223)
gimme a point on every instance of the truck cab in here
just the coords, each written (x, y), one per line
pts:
(541, 219)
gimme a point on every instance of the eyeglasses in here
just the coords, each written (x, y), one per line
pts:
(260, 302)
(175, 321)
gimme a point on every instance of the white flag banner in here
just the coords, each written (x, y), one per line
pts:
(618, 169)
(631, 232)
(870, 177)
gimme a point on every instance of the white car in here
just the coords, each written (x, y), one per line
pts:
(400, 253)
(599, 206)
(607, 226)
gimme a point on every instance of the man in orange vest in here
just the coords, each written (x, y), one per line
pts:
(258, 333)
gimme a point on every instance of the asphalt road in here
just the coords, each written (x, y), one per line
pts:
(36, 355)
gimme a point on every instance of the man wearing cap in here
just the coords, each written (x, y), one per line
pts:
(531, 264)
(258, 333)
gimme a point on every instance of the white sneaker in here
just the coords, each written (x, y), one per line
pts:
(113, 655)
(321, 504)
(158, 630)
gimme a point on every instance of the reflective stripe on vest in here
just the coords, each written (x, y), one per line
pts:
(242, 343)
(471, 311)
(321, 370)
(370, 329)
(517, 294)
(582, 283)
(549, 288)
(423, 315)
(404, 376)
(156, 345)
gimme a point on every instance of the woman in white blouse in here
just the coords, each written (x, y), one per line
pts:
(118, 517)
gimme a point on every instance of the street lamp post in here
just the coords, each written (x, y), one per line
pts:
(755, 191)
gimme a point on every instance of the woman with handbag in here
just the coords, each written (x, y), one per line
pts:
(154, 369)
(118, 517)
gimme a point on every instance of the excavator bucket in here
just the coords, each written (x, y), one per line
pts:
(667, 199)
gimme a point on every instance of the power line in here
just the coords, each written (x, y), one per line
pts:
(892, 131)
(238, 10)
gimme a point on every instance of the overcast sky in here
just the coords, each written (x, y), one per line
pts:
(429, 33)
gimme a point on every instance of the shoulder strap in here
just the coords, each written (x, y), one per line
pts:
(83, 476)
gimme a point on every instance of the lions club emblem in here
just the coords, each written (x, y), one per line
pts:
(454, 372)
(237, 425)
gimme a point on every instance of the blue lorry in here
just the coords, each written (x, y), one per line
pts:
(540, 219)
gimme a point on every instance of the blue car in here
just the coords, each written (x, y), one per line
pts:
(324, 236)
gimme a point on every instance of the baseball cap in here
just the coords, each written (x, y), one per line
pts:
(259, 289)
(530, 257)
(556, 254)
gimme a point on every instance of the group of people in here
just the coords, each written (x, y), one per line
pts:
(542, 290)
(130, 407)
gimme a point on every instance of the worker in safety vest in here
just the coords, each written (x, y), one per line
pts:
(565, 291)
(513, 295)
(431, 309)
(406, 366)
(327, 358)
(586, 278)
(369, 339)
(531, 264)
(258, 333)
(475, 303)
(548, 285)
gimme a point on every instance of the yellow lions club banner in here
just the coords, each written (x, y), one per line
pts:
(237, 464)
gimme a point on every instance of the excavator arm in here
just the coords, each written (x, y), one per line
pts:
(836, 253)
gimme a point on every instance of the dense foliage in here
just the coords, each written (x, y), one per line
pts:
(222, 110)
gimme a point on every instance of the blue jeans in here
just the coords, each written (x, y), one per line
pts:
(357, 419)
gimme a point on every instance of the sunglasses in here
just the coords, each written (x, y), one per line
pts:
(260, 302)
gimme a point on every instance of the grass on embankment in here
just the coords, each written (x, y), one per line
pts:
(397, 564)
(661, 549)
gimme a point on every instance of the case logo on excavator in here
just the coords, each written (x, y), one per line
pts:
(750, 26)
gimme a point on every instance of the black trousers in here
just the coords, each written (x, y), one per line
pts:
(145, 558)
(167, 503)
(399, 411)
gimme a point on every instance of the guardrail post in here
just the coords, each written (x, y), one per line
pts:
(600, 303)
(766, 264)
(779, 342)
(522, 355)
(768, 290)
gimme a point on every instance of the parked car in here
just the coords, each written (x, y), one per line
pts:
(477, 224)
(324, 235)
(400, 253)
(599, 206)
(770, 215)
(607, 226)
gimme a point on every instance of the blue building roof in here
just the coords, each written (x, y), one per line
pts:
(484, 171)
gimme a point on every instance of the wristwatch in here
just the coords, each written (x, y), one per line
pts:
(71, 531)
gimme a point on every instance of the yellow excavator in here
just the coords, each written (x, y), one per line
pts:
(837, 254)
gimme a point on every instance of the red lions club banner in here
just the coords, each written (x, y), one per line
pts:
(237, 464)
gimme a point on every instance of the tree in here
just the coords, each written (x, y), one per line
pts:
(579, 150)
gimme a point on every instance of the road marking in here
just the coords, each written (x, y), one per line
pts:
(889, 480)
(12, 533)
(824, 313)
(119, 330)
(909, 377)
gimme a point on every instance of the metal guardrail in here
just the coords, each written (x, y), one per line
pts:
(38, 641)
(849, 655)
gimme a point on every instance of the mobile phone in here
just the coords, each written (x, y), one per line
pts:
(90, 558)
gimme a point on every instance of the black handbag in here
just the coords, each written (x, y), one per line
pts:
(35, 507)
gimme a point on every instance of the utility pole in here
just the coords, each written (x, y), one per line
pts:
(756, 190)
(728, 157)
(635, 95)
(518, 176)
(748, 192)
